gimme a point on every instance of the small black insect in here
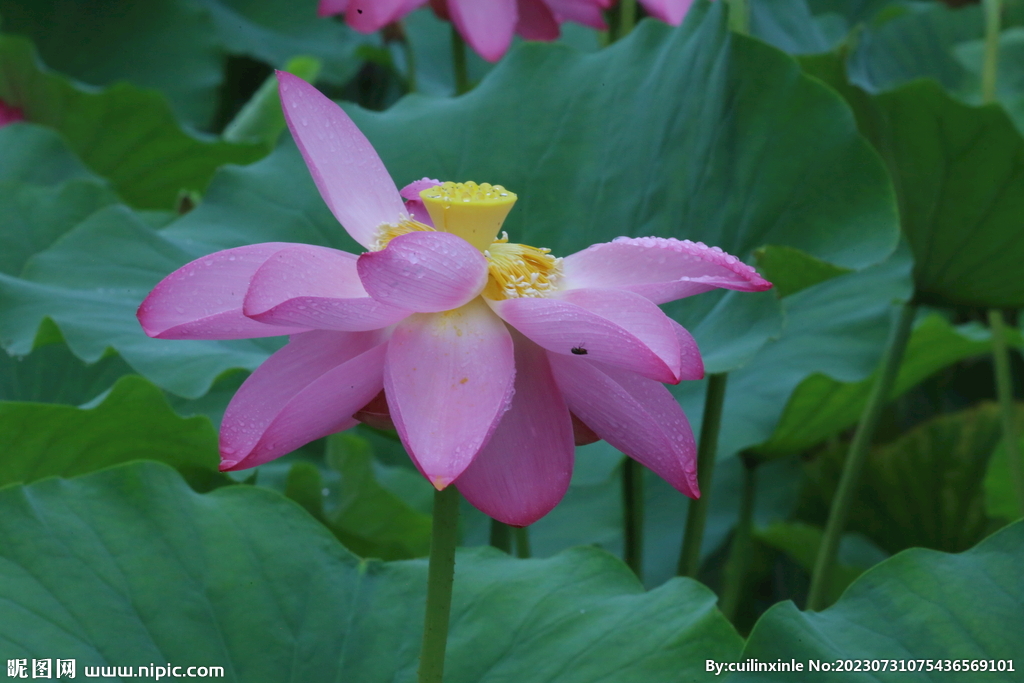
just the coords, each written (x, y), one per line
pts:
(579, 350)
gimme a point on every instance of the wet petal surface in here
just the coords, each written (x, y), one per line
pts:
(345, 167)
(448, 379)
(308, 389)
(427, 272)
(636, 415)
(615, 327)
(524, 470)
(317, 288)
(658, 268)
(203, 299)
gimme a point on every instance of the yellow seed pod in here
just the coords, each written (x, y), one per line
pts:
(473, 212)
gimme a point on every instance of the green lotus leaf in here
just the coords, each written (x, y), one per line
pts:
(179, 47)
(959, 177)
(129, 566)
(822, 406)
(917, 42)
(837, 328)
(1000, 483)
(38, 156)
(924, 489)
(52, 374)
(132, 422)
(123, 133)
(919, 605)
(93, 301)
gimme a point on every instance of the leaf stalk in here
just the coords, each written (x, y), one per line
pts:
(1004, 391)
(440, 578)
(696, 517)
(857, 457)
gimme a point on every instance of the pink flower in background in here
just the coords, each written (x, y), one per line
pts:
(670, 11)
(487, 25)
(368, 16)
(486, 351)
(9, 114)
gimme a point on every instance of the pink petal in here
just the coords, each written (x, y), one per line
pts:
(413, 189)
(307, 390)
(426, 272)
(346, 169)
(413, 203)
(536, 21)
(10, 114)
(317, 288)
(203, 299)
(692, 365)
(448, 378)
(586, 12)
(367, 16)
(660, 269)
(669, 11)
(581, 433)
(636, 415)
(615, 327)
(328, 8)
(524, 470)
(376, 413)
(486, 25)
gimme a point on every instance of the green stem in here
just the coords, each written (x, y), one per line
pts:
(633, 515)
(739, 16)
(522, 536)
(739, 553)
(459, 62)
(1004, 390)
(993, 15)
(410, 64)
(501, 536)
(627, 18)
(696, 517)
(440, 578)
(855, 459)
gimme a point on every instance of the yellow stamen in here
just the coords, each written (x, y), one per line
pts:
(519, 270)
(387, 232)
(473, 212)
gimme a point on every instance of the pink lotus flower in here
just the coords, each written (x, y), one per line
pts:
(487, 25)
(672, 12)
(486, 350)
(9, 114)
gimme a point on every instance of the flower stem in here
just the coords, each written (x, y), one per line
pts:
(739, 16)
(501, 536)
(993, 17)
(440, 578)
(689, 557)
(459, 62)
(522, 536)
(410, 64)
(633, 516)
(1000, 354)
(739, 554)
(855, 459)
(1004, 390)
(627, 18)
